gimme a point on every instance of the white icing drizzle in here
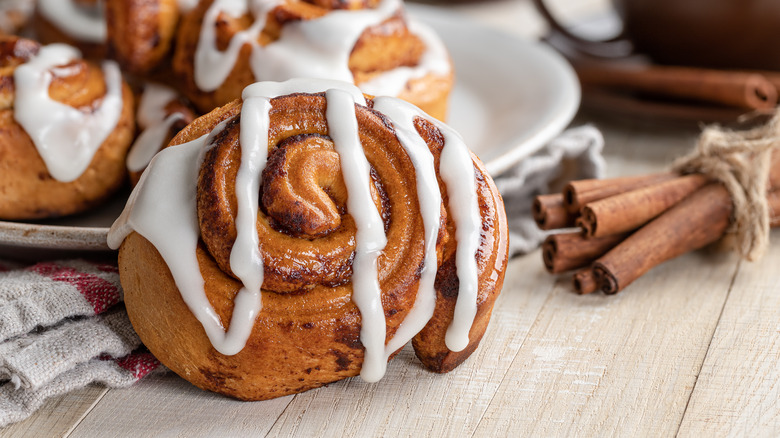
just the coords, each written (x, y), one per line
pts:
(457, 172)
(370, 239)
(166, 215)
(79, 22)
(317, 48)
(149, 142)
(435, 60)
(151, 106)
(186, 5)
(212, 66)
(246, 261)
(301, 85)
(155, 122)
(402, 115)
(168, 188)
(66, 138)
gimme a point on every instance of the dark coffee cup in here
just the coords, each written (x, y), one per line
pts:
(739, 34)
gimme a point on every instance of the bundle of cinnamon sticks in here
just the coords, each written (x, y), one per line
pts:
(615, 230)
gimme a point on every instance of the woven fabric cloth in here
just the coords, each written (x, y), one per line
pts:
(62, 327)
(575, 154)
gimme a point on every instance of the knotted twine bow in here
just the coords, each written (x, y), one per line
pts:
(741, 161)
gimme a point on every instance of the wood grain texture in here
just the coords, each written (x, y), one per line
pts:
(413, 401)
(58, 416)
(600, 365)
(738, 390)
(169, 406)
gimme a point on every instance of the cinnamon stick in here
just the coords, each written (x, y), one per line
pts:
(746, 90)
(774, 171)
(585, 281)
(774, 208)
(549, 212)
(630, 210)
(772, 76)
(578, 193)
(696, 221)
(566, 251)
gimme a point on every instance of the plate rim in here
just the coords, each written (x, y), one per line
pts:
(89, 238)
(566, 79)
(28, 235)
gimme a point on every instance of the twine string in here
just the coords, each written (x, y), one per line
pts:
(741, 161)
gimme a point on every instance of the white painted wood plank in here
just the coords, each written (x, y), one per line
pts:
(615, 365)
(738, 391)
(642, 148)
(58, 415)
(411, 401)
(168, 406)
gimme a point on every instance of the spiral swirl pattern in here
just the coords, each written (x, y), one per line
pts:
(310, 330)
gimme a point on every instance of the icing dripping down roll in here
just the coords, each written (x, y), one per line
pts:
(227, 44)
(354, 247)
(67, 138)
(66, 127)
(161, 114)
(85, 24)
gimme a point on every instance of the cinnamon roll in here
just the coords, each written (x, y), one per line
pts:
(223, 46)
(141, 32)
(78, 23)
(305, 234)
(161, 114)
(65, 127)
(14, 15)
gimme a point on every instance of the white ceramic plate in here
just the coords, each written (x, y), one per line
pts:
(511, 96)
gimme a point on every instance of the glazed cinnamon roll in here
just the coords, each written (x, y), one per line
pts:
(161, 114)
(14, 15)
(78, 23)
(304, 235)
(224, 45)
(65, 127)
(141, 32)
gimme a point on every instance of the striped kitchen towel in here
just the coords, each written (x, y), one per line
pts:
(574, 154)
(62, 327)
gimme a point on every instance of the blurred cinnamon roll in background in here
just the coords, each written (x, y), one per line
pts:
(305, 234)
(223, 47)
(78, 23)
(14, 15)
(162, 113)
(65, 128)
(141, 33)
(212, 49)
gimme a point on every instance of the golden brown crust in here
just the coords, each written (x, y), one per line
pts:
(141, 32)
(27, 190)
(288, 351)
(308, 331)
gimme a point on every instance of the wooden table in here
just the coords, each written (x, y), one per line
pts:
(692, 348)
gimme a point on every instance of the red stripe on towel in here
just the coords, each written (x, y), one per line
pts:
(140, 364)
(100, 293)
